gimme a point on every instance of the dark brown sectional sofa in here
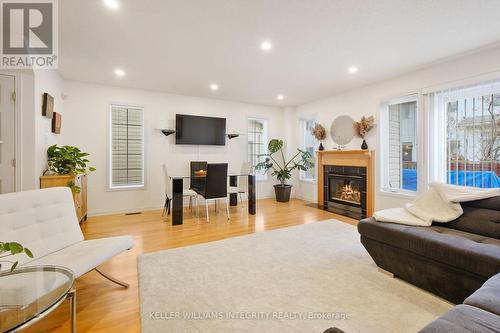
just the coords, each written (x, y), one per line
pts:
(451, 260)
(479, 313)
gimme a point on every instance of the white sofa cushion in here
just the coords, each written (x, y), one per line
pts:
(42, 220)
(84, 256)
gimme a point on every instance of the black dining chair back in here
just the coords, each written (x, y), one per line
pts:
(196, 183)
(216, 181)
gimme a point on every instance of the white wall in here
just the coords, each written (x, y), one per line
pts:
(366, 101)
(85, 114)
(46, 81)
(85, 124)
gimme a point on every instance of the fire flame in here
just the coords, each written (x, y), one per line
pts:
(349, 193)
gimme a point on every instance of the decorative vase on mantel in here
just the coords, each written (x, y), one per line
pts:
(321, 148)
(364, 145)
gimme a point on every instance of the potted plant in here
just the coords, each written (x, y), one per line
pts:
(67, 160)
(319, 132)
(282, 168)
(9, 249)
(363, 127)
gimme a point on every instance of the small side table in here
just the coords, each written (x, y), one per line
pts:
(29, 294)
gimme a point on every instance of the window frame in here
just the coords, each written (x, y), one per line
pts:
(383, 134)
(109, 166)
(437, 101)
(303, 130)
(259, 177)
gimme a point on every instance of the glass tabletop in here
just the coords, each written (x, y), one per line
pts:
(28, 292)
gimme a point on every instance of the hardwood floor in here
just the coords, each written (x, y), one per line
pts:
(105, 307)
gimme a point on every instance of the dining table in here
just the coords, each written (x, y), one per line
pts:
(178, 198)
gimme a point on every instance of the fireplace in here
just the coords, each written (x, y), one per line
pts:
(345, 182)
(345, 190)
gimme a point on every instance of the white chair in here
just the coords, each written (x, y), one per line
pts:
(242, 187)
(45, 222)
(168, 193)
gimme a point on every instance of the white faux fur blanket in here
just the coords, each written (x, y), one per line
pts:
(441, 203)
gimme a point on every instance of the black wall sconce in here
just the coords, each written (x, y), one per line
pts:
(167, 132)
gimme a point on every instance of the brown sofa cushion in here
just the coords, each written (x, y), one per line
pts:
(487, 297)
(474, 253)
(480, 217)
(464, 319)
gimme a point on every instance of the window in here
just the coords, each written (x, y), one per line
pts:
(126, 168)
(308, 143)
(399, 145)
(469, 149)
(257, 144)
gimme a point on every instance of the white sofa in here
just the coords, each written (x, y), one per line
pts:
(45, 222)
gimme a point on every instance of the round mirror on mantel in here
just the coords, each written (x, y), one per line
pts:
(342, 130)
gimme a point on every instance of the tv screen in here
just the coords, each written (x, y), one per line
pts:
(195, 130)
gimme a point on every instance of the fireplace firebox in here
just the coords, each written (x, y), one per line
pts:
(345, 190)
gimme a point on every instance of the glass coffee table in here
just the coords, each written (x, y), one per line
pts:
(29, 294)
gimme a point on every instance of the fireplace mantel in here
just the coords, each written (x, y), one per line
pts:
(355, 158)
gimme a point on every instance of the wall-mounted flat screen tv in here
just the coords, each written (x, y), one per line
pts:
(196, 130)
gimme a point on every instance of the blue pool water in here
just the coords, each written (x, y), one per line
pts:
(471, 178)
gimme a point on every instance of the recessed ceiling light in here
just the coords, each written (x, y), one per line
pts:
(112, 4)
(280, 97)
(352, 69)
(214, 87)
(266, 46)
(119, 72)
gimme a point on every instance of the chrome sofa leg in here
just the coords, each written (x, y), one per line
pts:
(72, 299)
(383, 271)
(112, 279)
(227, 208)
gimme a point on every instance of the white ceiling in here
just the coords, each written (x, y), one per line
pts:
(181, 46)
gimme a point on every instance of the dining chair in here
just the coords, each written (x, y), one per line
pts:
(242, 187)
(197, 184)
(168, 193)
(215, 186)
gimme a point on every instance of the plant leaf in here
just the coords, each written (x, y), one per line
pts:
(15, 248)
(14, 265)
(275, 145)
(28, 252)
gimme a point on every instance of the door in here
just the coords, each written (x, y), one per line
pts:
(7, 134)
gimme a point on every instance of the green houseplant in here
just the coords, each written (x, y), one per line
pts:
(12, 248)
(282, 168)
(67, 160)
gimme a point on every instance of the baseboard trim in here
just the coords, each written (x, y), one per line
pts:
(147, 209)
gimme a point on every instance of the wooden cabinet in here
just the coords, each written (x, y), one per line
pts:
(80, 199)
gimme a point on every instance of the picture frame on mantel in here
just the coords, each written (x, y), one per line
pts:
(56, 123)
(48, 105)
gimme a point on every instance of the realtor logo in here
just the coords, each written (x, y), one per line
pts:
(29, 34)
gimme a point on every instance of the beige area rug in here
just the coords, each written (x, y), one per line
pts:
(299, 279)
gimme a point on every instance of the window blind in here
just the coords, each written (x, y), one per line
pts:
(467, 135)
(257, 143)
(309, 145)
(127, 147)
